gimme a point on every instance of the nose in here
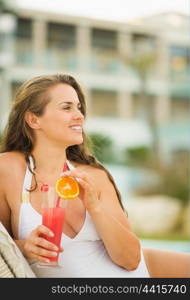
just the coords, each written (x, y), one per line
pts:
(78, 114)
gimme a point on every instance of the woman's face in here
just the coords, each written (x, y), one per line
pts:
(62, 119)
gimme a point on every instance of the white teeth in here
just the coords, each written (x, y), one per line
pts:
(76, 127)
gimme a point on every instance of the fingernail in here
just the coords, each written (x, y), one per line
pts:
(66, 172)
(51, 234)
(54, 253)
(63, 174)
(47, 260)
(55, 248)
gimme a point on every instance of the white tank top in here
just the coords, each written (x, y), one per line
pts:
(83, 256)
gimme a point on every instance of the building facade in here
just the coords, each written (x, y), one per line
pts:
(100, 55)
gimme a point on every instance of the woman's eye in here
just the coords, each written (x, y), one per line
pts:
(66, 107)
(69, 107)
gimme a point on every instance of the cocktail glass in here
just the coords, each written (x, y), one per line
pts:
(53, 215)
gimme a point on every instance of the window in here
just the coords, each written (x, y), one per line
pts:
(143, 42)
(104, 39)
(61, 36)
(61, 46)
(105, 57)
(23, 44)
(24, 29)
(179, 63)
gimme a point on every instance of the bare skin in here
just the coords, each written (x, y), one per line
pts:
(57, 129)
(160, 263)
(75, 214)
(165, 263)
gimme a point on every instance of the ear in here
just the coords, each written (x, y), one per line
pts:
(32, 120)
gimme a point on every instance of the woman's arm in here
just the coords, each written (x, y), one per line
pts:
(120, 242)
(5, 211)
(164, 263)
(100, 199)
(34, 247)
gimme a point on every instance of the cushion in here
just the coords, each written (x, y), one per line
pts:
(12, 262)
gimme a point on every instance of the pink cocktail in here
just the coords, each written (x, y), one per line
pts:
(53, 218)
(53, 215)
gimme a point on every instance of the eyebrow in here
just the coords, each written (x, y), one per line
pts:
(69, 102)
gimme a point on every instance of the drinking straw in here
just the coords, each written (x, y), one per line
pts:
(58, 201)
(65, 168)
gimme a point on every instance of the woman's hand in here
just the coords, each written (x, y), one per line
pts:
(37, 247)
(88, 192)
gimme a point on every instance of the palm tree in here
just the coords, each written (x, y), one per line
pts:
(143, 63)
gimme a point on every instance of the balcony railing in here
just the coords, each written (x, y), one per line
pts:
(105, 61)
(59, 58)
(24, 53)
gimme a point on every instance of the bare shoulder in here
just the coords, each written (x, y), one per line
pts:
(11, 161)
(11, 157)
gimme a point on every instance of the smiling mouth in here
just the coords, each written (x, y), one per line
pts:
(76, 128)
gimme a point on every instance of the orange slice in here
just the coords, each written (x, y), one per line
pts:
(67, 187)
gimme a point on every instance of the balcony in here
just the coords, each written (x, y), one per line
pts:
(59, 58)
(105, 61)
(179, 83)
(24, 52)
(61, 46)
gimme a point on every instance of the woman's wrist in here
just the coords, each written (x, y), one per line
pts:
(95, 208)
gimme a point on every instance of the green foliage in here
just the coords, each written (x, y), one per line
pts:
(174, 181)
(102, 147)
(7, 6)
(142, 63)
(137, 156)
(174, 177)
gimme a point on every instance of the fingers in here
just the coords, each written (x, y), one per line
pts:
(42, 242)
(82, 179)
(85, 185)
(40, 253)
(75, 173)
(91, 198)
(37, 247)
(41, 229)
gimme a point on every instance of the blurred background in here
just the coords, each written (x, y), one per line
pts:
(133, 62)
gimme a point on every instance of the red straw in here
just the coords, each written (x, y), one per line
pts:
(65, 168)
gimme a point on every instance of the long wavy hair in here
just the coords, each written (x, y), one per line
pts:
(32, 96)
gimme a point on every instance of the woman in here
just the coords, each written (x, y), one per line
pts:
(45, 129)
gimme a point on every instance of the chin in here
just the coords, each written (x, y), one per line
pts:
(76, 142)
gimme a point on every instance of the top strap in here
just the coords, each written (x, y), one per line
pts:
(28, 180)
(31, 163)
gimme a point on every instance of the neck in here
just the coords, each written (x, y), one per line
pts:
(49, 160)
